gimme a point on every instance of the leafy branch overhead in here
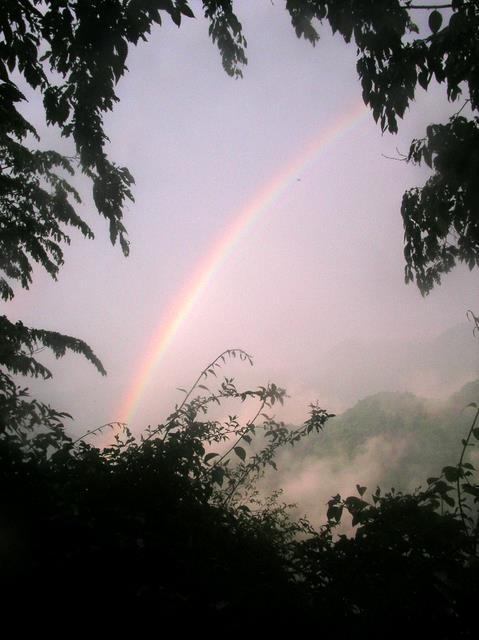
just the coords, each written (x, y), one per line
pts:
(393, 59)
(20, 343)
(441, 220)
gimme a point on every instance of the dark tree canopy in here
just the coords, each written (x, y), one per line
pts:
(172, 526)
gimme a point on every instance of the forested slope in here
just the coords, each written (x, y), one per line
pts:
(390, 439)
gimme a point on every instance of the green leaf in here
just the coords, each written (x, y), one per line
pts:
(435, 21)
(471, 490)
(354, 504)
(209, 456)
(335, 512)
(186, 11)
(361, 490)
(452, 473)
(240, 452)
(217, 475)
(442, 487)
(448, 500)
(423, 79)
(175, 16)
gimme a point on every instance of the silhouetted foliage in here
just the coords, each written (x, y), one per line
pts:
(440, 219)
(180, 526)
(155, 521)
(173, 523)
(406, 567)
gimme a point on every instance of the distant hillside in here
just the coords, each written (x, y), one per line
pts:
(426, 433)
(390, 439)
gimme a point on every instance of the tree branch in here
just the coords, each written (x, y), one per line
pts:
(428, 6)
(458, 484)
(90, 432)
(244, 432)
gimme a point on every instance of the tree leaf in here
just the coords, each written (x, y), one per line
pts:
(186, 11)
(452, 473)
(217, 475)
(448, 500)
(240, 452)
(435, 21)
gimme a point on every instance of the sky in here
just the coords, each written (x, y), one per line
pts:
(274, 189)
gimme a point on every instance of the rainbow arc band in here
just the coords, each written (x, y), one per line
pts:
(240, 225)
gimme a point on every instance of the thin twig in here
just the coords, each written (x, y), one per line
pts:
(249, 424)
(428, 6)
(255, 465)
(458, 112)
(90, 432)
(391, 158)
(203, 374)
(458, 485)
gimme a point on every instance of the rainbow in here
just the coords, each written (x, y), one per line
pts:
(239, 226)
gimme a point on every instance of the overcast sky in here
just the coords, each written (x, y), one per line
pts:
(321, 266)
